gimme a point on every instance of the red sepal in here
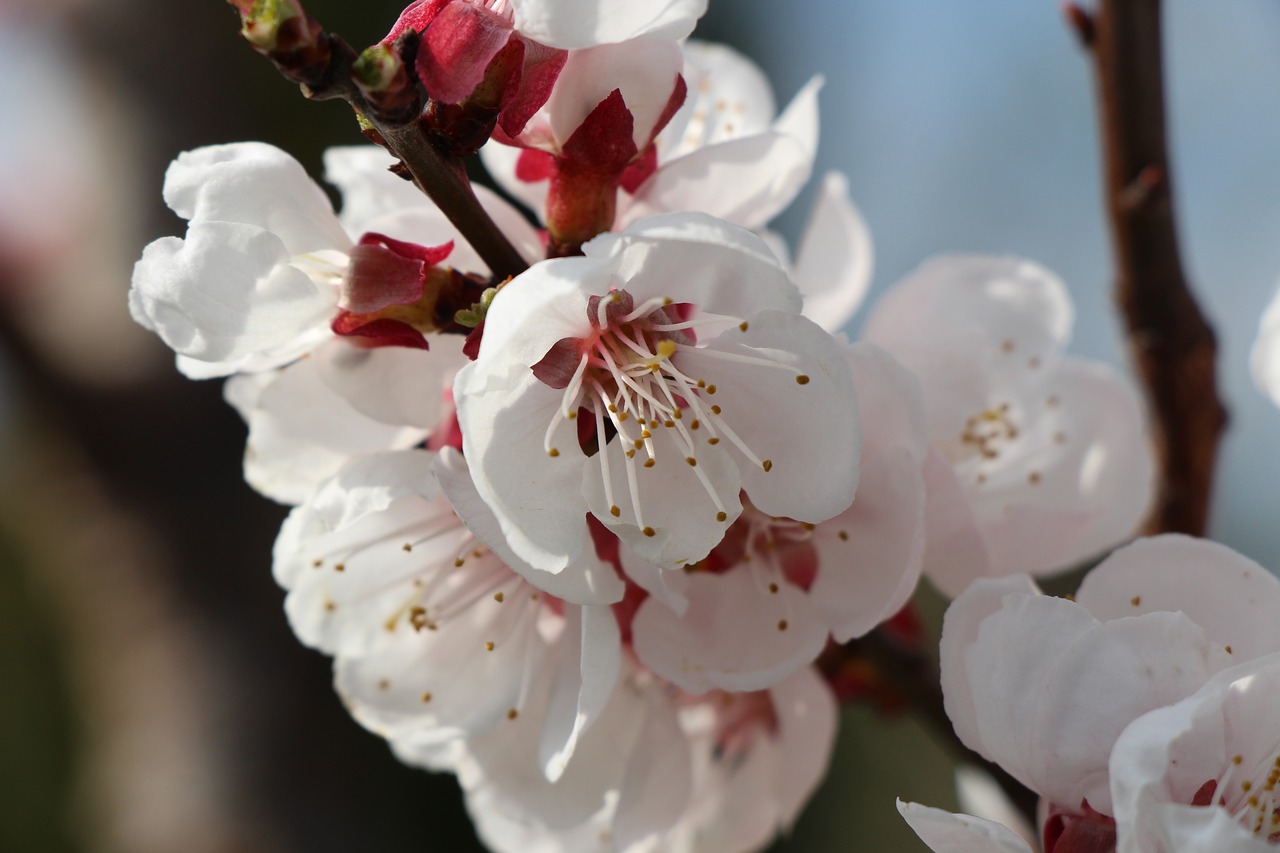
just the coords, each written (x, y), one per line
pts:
(379, 332)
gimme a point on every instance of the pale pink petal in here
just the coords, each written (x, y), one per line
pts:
(253, 183)
(889, 400)
(807, 720)
(729, 97)
(737, 634)
(835, 259)
(870, 556)
(1118, 671)
(946, 832)
(955, 552)
(578, 23)
(801, 416)
(1235, 601)
(657, 786)
(960, 628)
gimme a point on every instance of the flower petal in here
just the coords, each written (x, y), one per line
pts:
(1235, 601)
(254, 184)
(801, 417)
(946, 832)
(226, 296)
(735, 635)
(574, 24)
(836, 257)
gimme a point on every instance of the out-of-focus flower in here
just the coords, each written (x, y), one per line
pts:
(1203, 776)
(723, 773)
(648, 383)
(1044, 686)
(1041, 460)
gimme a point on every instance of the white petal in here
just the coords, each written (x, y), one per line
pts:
(1235, 601)
(946, 832)
(226, 296)
(461, 676)
(394, 385)
(889, 401)
(808, 430)
(662, 585)
(736, 633)
(536, 499)
(673, 502)
(745, 181)
(836, 257)
(870, 556)
(644, 70)
(981, 796)
(583, 23)
(588, 580)
(590, 661)
(301, 432)
(254, 184)
(369, 189)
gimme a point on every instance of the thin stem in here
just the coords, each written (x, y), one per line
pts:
(326, 74)
(1171, 343)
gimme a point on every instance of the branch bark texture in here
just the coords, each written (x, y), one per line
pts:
(1172, 345)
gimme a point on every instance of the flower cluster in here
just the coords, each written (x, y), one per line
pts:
(579, 535)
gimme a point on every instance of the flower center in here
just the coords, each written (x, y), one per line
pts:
(1250, 791)
(626, 373)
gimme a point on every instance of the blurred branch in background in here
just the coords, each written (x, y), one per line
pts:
(1171, 343)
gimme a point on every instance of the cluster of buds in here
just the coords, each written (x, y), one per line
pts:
(586, 506)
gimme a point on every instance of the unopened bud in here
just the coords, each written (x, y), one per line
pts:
(262, 19)
(383, 79)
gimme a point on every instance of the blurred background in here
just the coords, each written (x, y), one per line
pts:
(152, 698)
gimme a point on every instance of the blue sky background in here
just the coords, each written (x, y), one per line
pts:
(969, 126)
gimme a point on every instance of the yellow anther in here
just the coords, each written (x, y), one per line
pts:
(488, 647)
(615, 511)
(767, 465)
(498, 597)
(721, 516)
(649, 531)
(426, 696)
(553, 453)
(802, 379)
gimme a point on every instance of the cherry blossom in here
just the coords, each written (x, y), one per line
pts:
(1203, 774)
(1041, 461)
(768, 597)
(260, 276)
(1043, 686)
(657, 772)
(434, 636)
(678, 341)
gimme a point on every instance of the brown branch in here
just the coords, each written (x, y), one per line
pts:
(1172, 345)
(322, 63)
